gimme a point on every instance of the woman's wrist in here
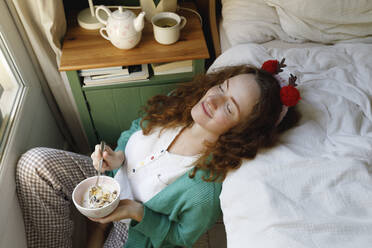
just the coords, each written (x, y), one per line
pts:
(120, 159)
(137, 211)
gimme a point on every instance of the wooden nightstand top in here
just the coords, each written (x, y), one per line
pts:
(86, 49)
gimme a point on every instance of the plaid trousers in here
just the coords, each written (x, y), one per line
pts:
(45, 179)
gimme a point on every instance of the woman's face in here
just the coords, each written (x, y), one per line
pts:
(226, 104)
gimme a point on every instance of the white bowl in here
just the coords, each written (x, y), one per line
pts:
(81, 189)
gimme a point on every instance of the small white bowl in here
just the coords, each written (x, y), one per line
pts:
(81, 189)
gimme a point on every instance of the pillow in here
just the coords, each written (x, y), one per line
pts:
(251, 21)
(325, 21)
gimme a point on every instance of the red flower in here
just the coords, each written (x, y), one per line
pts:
(289, 95)
(271, 66)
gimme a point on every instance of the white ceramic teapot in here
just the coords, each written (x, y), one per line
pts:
(123, 28)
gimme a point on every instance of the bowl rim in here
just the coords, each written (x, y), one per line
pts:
(111, 178)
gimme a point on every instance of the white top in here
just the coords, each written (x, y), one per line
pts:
(149, 167)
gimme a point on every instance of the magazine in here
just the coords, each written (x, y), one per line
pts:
(104, 71)
(136, 73)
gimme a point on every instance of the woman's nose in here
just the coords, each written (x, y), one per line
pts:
(216, 100)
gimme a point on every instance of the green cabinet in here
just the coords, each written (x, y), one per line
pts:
(112, 110)
(106, 111)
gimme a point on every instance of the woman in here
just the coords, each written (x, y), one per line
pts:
(189, 141)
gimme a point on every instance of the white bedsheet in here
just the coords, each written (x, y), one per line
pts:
(314, 189)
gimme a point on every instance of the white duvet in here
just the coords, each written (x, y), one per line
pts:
(314, 189)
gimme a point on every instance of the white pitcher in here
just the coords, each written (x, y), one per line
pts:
(123, 28)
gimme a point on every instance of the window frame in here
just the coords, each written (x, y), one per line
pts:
(17, 101)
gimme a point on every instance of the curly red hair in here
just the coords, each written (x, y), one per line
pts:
(240, 142)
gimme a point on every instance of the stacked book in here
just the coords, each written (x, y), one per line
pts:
(172, 67)
(114, 75)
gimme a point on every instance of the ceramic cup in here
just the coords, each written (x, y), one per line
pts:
(167, 27)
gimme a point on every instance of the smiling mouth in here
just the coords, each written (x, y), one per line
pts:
(205, 110)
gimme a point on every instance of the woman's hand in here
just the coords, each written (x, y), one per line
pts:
(126, 209)
(111, 159)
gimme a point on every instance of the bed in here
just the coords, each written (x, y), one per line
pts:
(314, 189)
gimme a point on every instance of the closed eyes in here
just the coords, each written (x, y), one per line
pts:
(228, 107)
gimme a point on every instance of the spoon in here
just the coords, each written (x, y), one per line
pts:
(102, 149)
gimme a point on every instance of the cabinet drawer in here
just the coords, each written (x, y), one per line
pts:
(113, 110)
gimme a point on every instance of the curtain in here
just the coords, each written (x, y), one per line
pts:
(44, 24)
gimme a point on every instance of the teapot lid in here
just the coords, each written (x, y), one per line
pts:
(122, 14)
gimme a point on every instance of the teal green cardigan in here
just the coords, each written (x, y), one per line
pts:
(179, 214)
